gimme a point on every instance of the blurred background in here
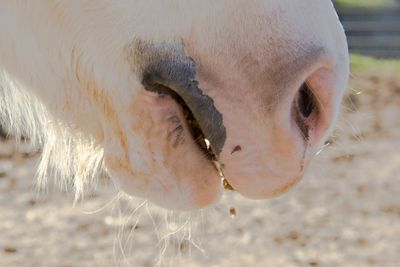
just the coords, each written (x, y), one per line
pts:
(346, 212)
(372, 26)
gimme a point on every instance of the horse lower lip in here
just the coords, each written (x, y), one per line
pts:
(194, 127)
(193, 124)
(200, 106)
(203, 120)
(198, 135)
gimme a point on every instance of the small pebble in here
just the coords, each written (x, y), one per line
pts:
(232, 212)
(10, 250)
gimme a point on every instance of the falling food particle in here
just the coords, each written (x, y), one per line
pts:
(232, 212)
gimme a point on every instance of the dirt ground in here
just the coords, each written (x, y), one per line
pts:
(346, 212)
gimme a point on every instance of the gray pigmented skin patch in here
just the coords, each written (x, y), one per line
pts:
(164, 68)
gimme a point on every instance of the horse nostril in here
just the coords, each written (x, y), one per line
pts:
(306, 101)
(305, 110)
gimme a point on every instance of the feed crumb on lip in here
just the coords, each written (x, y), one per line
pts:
(219, 166)
(227, 185)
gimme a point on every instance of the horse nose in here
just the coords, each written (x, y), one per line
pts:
(267, 154)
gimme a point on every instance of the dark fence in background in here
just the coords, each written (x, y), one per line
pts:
(374, 32)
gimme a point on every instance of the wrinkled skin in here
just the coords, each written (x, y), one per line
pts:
(93, 65)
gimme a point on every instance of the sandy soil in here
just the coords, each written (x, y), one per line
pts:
(346, 212)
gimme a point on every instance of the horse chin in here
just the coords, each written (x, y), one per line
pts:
(169, 168)
(186, 182)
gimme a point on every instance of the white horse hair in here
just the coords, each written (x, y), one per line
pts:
(84, 80)
(66, 154)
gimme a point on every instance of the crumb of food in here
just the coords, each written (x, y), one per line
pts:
(227, 185)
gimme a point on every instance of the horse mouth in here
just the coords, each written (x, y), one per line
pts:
(199, 136)
(202, 142)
